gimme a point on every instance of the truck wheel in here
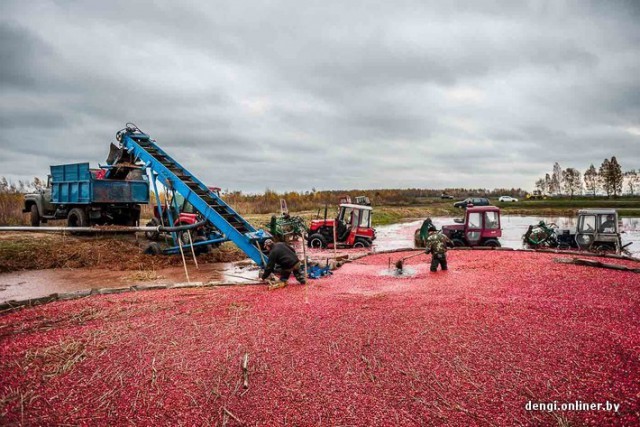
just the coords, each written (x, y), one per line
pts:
(457, 243)
(492, 243)
(35, 216)
(361, 243)
(77, 218)
(317, 241)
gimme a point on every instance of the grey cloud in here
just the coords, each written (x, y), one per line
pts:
(324, 94)
(20, 52)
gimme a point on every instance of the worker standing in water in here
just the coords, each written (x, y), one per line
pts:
(436, 244)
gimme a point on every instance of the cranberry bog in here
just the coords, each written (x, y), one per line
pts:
(470, 346)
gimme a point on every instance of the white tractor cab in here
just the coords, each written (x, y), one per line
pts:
(598, 230)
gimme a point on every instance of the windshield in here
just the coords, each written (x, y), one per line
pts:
(365, 218)
(475, 221)
(491, 220)
(587, 223)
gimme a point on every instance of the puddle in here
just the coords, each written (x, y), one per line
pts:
(37, 283)
(406, 272)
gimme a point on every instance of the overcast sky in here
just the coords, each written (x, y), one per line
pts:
(291, 95)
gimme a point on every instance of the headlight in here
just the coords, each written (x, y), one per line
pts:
(584, 239)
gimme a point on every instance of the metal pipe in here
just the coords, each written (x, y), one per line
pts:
(102, 229)
(81, 229)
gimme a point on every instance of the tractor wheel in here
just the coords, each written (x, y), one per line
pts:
(152, 235)
(361, 243)
(35, 216)
(77, 218)
(153, 249)
(203, 249)
(492, 243)
(317, 241)
(184, 235)
(603, 249)
(458, 243)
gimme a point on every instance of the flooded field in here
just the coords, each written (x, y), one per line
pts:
(400, 235)
(38, 283)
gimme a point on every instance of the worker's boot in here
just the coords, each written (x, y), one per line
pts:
(277, 285)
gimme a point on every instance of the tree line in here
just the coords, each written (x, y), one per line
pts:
(608, 179)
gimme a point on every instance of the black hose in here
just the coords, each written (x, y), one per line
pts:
(182, 227)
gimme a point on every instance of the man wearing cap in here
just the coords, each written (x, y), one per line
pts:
(282, 255)
(436, 244)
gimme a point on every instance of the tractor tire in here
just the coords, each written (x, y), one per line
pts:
(361, 243)
(35, 216)
(458, 243)
(77, 218)
(204, 249)
(492, 243)
(184, 236)
(317, 241)
(153, 249)
(152, 235)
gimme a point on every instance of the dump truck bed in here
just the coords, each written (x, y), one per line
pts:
(75, 184)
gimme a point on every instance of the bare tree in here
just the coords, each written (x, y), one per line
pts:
(616, 178)
(556, 179)
(572, 181)
(604, 176)
(632, 180)
(591, 180)
(547, 183)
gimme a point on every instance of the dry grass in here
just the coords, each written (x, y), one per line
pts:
(120, 253)
(56, 359)
(11, 209)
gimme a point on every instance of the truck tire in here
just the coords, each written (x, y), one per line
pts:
(35, 216)
(317, 241)
(77, 218)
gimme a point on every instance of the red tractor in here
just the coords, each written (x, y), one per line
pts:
(186, 216)
(480, 227)
(352, 226)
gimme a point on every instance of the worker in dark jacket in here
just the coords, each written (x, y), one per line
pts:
(283, 256)
(424, 229)
(437, 247)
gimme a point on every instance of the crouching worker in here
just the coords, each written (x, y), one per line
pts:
(281, 255)
(437, 246)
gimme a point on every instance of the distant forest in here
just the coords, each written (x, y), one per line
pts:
(609, 179)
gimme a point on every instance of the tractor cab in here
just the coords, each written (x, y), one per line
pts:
(598, 230)
(352, 226)
(480, 227)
